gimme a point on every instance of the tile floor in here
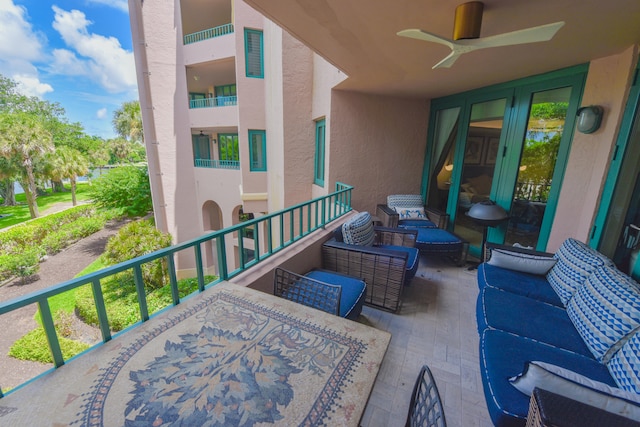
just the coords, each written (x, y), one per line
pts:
(435, 326)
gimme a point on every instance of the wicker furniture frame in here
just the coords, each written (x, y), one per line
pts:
(426, 409)
(382, 269)
(390, 218)
(306, 291)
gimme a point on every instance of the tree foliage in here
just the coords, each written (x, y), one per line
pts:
(127, 122)
(126, 188)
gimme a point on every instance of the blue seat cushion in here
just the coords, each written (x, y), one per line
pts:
(529, 285)
(504, 355)
(416, 223)
(438, 241)
(353, 291)
(529, 318)
(413, 258)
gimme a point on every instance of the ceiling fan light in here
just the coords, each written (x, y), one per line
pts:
(468, 20)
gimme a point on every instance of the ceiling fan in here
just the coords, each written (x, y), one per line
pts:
(466, 34)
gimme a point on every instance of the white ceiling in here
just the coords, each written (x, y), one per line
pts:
(359, 37)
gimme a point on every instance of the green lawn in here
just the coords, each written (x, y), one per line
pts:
(20, 213)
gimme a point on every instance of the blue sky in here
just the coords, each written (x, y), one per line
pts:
(74, 52)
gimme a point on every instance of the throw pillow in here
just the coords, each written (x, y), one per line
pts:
(411, 213)
(624, 366)
(576, 262)
(359, 230)
(405, 201)
(577, 387)
(605, 311)
(526, 263)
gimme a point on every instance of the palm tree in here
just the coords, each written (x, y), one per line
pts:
(120, 148)
(23, 138)
(67, 162)
(127, 122)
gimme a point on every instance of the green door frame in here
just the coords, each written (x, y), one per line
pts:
(518, 94)
(630, 111)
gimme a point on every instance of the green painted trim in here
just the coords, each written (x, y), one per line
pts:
(518, 94)
(254, 164)
(615, 167)
(248, 71)
(223, 152)
(319, 155)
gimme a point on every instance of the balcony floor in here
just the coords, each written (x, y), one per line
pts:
(436, 326)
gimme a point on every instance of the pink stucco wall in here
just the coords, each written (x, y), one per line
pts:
(377, 144)
(607, 85)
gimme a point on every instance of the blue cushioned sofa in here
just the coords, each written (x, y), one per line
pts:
(581, 316)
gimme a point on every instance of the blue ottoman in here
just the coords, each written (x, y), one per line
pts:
(353, 291)
(437, 241)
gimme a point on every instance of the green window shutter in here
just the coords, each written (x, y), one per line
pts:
(201, 147)
(318, 177)
(253, 53)
(258, 150)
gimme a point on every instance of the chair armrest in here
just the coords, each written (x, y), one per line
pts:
(438, 217)
(307, 291)
(507, 248)
(388, 217)
(396, 236)
(371, 250)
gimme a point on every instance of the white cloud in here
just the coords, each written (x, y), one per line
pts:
(31, 85)
(101, 113)
(20, 45)
(100, 58)
(116, 4)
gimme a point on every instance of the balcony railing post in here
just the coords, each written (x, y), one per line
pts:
(50, 332)
(173, 281)
(199, 266)
(103, 318)
(142, 297)
(222, 257)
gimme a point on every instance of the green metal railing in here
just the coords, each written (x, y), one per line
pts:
(217, 164)
(279, 230)
(218, 101)
(208, 33)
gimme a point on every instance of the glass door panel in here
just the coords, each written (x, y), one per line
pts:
(478, 165)
(621, 233)
(545, 126)
(445, 136)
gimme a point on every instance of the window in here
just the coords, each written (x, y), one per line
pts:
(201, 146)
(257, 150)
(253, 53)
(228, 147)
(226, 90)
(318, 170)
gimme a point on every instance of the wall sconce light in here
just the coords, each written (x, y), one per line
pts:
(448, 167)
(214, 140)
(589, 118)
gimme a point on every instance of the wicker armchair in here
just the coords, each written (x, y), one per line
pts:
(327, 291)
(433, 236)
(386, 266)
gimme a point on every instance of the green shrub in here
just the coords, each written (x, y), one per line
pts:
(122, 302)
(24, 264)
(126, 188)
(34, 346)
(136, 239)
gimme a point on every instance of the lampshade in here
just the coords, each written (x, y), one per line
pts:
(487, 213)
(589, 118)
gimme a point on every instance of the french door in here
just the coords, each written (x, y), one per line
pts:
(508, 145)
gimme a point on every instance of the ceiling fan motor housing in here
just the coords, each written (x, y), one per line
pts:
(468, 20)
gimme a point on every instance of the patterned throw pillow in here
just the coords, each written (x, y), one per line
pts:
(606, 311)
(411, 213)
(576, 262)
(405, 201)
(624, 366)
(359, 230)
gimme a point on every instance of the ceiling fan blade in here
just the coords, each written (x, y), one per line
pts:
(541, 33)
(426, 36)
(448, 61)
